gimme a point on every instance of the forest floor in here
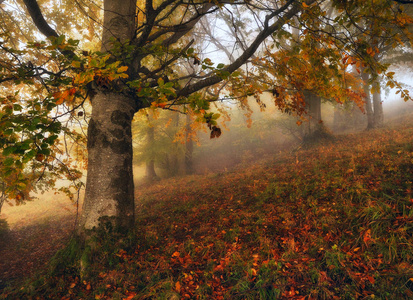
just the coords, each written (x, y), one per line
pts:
(27, 249)
(33, 234)
(326, 221)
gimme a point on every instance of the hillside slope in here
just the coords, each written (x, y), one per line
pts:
(331, 222)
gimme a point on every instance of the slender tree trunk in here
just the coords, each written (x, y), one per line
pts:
(338, 117)
(377, 106)
(150, 163)
(369, 106)
(150, 170)
(189, 148)
(109, 185)
(1, 203)
(3, 194)
(173, 158)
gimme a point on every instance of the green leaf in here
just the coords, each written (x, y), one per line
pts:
(44, 151)
(51, 139)
(8, 161)
(18, 164)
(60, 39)
(94, 63)
(55, 127)
(29, 156)
(25, 146)
(9, 131)
(169, 85)
(215, 116)
(36, 120)
(17, 107)
(9, 150)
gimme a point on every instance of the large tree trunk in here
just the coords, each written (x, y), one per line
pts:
(109, 185)
(118, 22)
(313, 106)
(150, 172)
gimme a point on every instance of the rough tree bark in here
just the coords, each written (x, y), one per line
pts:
(110, 136)
(109, 152)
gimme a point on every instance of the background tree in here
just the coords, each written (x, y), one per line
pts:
(375, 39)
(159, 142)
(189, 147)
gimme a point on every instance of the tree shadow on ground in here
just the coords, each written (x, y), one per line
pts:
(27, 250)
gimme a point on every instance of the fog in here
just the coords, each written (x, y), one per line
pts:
(246, 139)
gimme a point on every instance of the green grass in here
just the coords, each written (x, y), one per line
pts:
(331, 222)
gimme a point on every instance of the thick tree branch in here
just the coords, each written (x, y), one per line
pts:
(41, 24)
(169, 13)
(38, 19)
(146, 31)
(179, 31)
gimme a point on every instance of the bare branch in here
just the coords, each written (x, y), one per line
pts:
(403, 1)
(265, 32)
(167, 63)
(185, 28)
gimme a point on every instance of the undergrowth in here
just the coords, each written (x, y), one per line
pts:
(332, 222)
(4, 228)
